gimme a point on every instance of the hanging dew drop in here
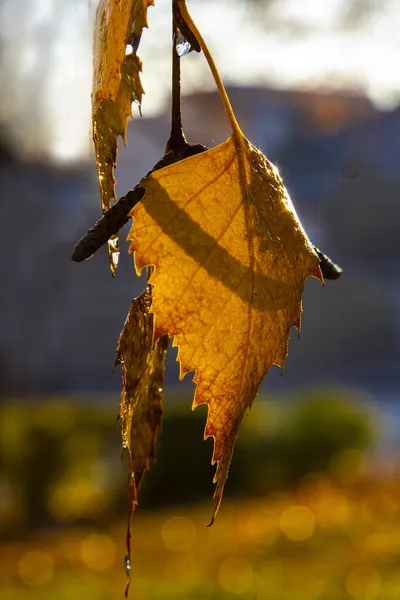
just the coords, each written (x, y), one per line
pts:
(127, 565)
(128, 574)
(183, 47)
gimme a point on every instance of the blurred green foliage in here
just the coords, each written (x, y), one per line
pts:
(60, 459)
(57, 463)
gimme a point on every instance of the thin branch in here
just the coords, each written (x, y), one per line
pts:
(177, 140)
(118, 215)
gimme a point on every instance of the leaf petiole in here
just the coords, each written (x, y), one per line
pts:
(237, 132)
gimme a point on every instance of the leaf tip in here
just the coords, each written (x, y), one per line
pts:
(212, 519)
(218, 499)
(315, 271)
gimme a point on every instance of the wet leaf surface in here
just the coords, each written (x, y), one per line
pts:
(116, 84)
(142, 387)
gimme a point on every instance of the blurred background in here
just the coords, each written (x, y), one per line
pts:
(312, 504)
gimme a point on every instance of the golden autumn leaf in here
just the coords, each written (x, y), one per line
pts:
(231, 259)
(116, 84)
(142, 387)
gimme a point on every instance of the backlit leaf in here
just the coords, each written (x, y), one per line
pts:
(231, 259)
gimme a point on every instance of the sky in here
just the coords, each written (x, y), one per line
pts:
(46, 62)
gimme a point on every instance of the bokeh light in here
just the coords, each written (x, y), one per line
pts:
(181, 571)
(98, 551)
(261, 528)
(329, 505)
(178, 534)
(363, 583)
(36, 568)
(235, 575)
(297, 523)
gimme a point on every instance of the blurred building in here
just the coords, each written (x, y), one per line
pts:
(339, 158)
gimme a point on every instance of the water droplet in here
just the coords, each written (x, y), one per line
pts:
(183, 47)
(127, 565)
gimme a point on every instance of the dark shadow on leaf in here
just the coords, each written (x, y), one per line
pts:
(261, 291)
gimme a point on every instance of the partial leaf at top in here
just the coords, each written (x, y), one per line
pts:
(231, 259)
(116, 84)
